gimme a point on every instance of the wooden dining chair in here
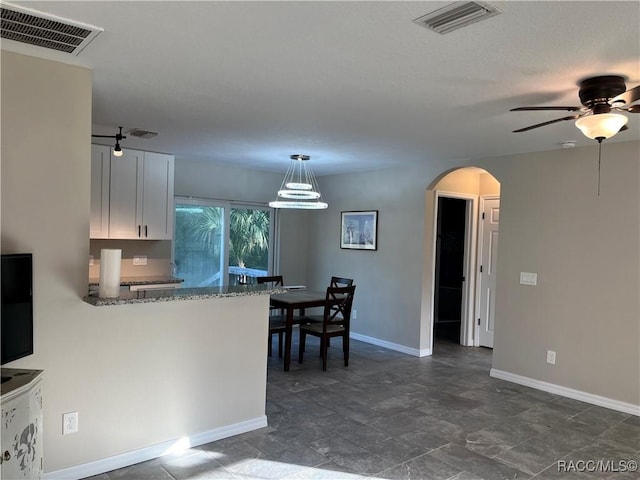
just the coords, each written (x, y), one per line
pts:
(277, 320)
(335, 282)
(335, 323)
(341, 282)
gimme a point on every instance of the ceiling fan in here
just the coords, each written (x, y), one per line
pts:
(599, 97)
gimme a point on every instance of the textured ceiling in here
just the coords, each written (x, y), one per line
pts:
(355, 85)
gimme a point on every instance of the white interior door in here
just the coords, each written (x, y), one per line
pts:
(489, 222)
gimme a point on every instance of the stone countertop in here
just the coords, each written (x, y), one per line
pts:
(141, 280)
(178, 294)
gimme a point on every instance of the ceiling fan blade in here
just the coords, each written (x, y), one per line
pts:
(627, 97)
(531, 127)
(634, 109)
(526, 109)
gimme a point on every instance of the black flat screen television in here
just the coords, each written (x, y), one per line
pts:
(16, 278)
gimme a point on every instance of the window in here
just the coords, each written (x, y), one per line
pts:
(219, 243)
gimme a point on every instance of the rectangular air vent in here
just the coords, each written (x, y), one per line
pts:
(29, 26)
(138, 132)
(457, 15)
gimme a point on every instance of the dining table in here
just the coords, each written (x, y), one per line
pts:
(290, 302)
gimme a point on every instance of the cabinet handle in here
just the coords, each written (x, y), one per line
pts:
(6, 456)
(146, 234)
(139, 232)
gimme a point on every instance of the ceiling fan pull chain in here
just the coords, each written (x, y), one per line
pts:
(599, 160)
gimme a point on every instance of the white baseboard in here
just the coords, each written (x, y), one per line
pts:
(391, 346)
(568, 392)
(154, 451)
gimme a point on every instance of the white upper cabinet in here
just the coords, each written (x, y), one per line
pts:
(157, 196)
(125, 214)
(100, 191)
(140, 196)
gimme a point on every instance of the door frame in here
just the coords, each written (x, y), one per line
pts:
(467, 331)
(478, 293)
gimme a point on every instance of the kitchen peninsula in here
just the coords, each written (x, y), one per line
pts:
(178, 368)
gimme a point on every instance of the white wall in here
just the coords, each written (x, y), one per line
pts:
(137, 374)
(584, 248)
(388, 280)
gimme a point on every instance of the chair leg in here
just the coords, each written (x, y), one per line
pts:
(280, 344)
(303, 339)
(325, 353)
(345, 349)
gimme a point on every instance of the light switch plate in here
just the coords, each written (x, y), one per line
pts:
(528, 278)
(90, 260)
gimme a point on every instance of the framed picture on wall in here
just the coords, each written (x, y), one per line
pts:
(359, 230)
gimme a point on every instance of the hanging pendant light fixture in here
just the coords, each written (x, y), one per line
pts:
(117, 151)
(299, 187)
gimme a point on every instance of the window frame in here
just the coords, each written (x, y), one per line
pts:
(227, 206)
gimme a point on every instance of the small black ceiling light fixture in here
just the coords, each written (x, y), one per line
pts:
(117, 151)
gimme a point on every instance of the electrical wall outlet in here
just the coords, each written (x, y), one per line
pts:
(69, 423)
(551, 357)
(354, 313)
(139, 259)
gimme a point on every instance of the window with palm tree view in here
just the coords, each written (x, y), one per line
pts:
(218, 243)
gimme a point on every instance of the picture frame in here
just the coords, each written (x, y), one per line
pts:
(359, 230)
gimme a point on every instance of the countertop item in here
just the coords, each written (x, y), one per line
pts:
(142, 280)
(177, 294)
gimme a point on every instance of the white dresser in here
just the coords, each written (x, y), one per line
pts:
(21, 448)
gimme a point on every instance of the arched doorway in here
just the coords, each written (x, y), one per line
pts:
(461, 247)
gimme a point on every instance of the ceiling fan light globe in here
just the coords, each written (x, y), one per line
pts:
(603, 125)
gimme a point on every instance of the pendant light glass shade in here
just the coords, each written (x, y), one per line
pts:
(299, 187)
(602, 125)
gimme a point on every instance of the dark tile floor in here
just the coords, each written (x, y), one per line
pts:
(393, 416)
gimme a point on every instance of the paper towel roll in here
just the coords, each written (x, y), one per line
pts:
(109, 286)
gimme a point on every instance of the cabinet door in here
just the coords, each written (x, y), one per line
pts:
(125, 195)
(22, 436)
(99, 191)
(157, 197)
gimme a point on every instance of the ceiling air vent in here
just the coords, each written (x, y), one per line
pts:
(457, 15)
(138, 132)
(29, 26)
